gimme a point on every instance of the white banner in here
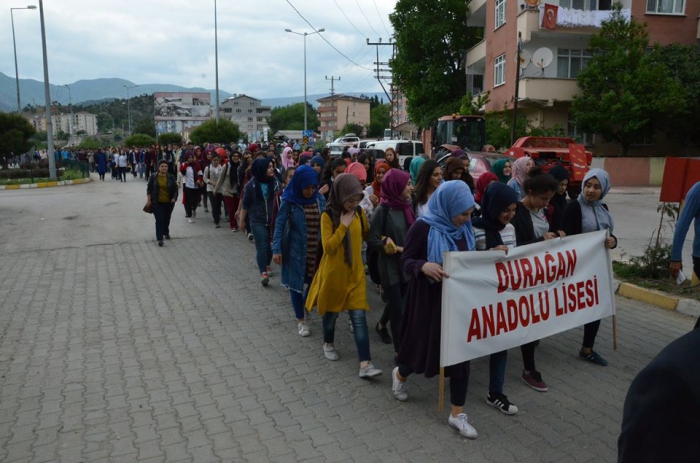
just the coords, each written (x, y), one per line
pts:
(493, 301)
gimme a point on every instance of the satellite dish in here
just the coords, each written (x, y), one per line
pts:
(543, 57)
(525, 59)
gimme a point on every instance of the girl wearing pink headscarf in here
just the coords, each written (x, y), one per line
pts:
(287, 159)
(521, 167)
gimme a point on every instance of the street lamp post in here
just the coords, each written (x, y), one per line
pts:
(216, 63)
(14, 44)
(128, 103)
(305, 34)
(70, 123)
(47, 96)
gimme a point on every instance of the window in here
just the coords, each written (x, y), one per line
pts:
(666, 6)
(587, 5)
(499, 70)
(500, 13)
(235, 103)
(571, 62)
(238, 110)
(581, 137)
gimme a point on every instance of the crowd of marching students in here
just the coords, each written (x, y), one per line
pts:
(332, 222)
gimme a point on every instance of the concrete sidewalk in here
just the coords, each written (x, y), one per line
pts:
(113, 349)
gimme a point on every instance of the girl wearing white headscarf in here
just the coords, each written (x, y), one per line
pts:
(587, 214)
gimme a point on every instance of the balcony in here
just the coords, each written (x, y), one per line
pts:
(477, 13)
(476, 54)
(569, 22)
(698, 36)
(548, 89)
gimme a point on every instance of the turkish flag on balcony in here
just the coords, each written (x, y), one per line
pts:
(549, 19)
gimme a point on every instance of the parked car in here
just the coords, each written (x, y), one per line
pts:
(339, 144)
(405, 149)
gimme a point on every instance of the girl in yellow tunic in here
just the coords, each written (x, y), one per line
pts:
(339, 283)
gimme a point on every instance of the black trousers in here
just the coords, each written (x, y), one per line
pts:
(162, 213)
(191, 200)
(393, 311)
(215, 201)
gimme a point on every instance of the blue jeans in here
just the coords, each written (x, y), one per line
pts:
(359, 323)
(261, 234)
(497, 371)
(299, 299)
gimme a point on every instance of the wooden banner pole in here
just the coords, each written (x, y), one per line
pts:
(614, 332)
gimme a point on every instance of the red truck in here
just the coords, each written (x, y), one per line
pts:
(550, 151)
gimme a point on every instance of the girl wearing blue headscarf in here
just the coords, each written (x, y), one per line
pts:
(446, 226)
(587, 214)
(296, 237)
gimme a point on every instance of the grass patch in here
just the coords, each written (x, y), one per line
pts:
(630, 273)
(69, 174)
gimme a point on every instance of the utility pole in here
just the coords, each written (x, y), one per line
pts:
(517, 91)
(381, 75)
(333, 108)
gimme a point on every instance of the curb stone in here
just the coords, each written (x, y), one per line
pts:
(46, 184)
(659, 299)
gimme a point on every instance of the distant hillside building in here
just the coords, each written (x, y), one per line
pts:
(249, 113)
(335, 112)
(82, 122)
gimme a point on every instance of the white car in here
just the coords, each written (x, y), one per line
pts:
(339, 144)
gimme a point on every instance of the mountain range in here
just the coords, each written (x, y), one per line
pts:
(95, 90)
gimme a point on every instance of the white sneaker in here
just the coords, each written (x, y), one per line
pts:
(329, 352)
(370, 371)
(460, 423)
(190, 220)
(398, 387)
(303, 329)
(350, 325)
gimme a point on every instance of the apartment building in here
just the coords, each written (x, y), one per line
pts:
(82, 123)
(249, 113)
(335, 112)
(552, 58)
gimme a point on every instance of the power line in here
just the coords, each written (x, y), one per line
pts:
(324, 39)
(380, 18)
(366, 19)
(349, 20)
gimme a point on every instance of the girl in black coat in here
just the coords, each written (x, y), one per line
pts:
(587, 214)
(531, 226)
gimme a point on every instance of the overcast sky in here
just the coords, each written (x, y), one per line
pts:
(159, 41)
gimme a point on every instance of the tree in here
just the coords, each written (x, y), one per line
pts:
(352, 128)
(170, 139)
(624, 87)
(431, 39)
(15, 132)
(146, 126)
(379, 119)
(209, 132)
(139, 140)
(683, 65)
(292, 118)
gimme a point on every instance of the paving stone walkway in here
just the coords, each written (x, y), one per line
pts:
(113, 349)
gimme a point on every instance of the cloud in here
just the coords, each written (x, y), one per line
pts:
(158, 41)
